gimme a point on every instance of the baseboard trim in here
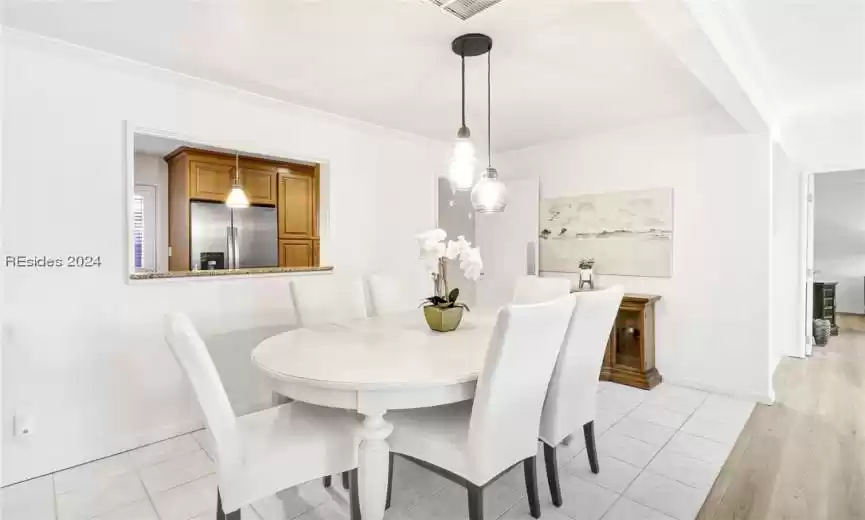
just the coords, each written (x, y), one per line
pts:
(856, 314)
(129, 443)
(767, 398)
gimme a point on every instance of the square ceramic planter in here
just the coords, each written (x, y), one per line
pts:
(443, 320)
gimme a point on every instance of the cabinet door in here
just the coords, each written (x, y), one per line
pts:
(297, 205)
(259, 183)
(209, 180)
(296, 253)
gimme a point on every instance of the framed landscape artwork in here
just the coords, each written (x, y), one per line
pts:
(625, 232)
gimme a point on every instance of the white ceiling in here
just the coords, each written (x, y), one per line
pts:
(812, 51)
(560, 67)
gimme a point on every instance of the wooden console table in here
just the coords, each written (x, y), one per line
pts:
(630, 356)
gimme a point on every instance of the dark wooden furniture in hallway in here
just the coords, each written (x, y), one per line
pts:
(824, 303)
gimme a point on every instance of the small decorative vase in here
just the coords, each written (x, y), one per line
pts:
(443, 320)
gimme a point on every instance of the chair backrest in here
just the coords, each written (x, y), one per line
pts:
(510, 393)
(535, 289)
(572, 395)
(328, 299)
(191, 352)
(390, 294)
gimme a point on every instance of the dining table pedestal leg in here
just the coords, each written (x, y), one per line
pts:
(373, 456)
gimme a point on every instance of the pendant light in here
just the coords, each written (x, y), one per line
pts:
(237, 197)
(489, 195)
(461, 170)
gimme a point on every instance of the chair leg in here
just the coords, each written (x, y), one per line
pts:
(531, 471)
(591, 448)
(345, 482)
(553, 474)
(476, 501)
(389, 480)
(327, 481)
(354, 494)
(220, 514)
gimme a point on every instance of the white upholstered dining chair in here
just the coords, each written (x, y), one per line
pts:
(394, 294)
(260, 454)
(536, 289)
(473, 443)
(328, 299)
(572, 394)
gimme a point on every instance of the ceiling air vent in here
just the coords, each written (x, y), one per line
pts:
(464, 9)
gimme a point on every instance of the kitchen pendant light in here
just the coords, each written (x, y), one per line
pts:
(489, 195)
(237, 197)
(461, 170)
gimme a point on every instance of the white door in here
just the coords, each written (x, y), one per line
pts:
(508, 243)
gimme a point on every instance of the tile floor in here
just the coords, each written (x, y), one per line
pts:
(659, 454)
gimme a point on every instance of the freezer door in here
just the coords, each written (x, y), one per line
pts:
(256, 233)
(208, 231)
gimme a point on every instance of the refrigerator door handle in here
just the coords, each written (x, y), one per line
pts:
(235, 231)
(229, 252)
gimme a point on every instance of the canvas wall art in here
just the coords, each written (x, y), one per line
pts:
(626, 232)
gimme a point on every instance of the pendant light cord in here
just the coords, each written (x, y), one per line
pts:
(489, 109)
(463, 58)
(237, 168)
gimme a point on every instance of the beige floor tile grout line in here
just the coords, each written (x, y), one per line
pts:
(678, 430)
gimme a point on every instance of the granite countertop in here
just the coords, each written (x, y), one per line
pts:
(226, 272)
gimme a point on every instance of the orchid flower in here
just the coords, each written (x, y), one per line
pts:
(471, 263)
(433, 249)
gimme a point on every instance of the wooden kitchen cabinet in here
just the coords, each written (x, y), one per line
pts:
(202, 175)
(297, 210)
(298, 203)
(259, 182)
(298, 253)
(210, 179)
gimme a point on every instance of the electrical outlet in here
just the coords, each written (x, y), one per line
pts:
(21, 425)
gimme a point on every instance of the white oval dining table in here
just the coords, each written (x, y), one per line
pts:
(372, 366)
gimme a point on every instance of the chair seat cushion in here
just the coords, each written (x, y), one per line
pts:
(437, 435)
(290, 444)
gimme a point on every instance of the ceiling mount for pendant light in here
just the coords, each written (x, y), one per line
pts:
(237, 198)
(489, 195)
(461, 171)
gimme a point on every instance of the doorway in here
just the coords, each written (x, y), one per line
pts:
(834, 252)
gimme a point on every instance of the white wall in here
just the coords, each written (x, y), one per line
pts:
(839, 236)
(831, 140)
(85, 358)
(788, 307)
(2, 268)
(152, 170)
(713, 320)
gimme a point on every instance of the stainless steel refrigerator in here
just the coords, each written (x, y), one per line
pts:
(245, 237)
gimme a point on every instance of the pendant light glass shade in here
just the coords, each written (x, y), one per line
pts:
(463, 163)
(237, 198)
(490, 194)
(461, 171)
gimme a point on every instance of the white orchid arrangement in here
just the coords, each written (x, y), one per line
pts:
(435, 254)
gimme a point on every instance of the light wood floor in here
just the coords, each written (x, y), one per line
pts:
(804, 457)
